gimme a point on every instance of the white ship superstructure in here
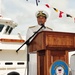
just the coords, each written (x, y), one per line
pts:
(10, 60)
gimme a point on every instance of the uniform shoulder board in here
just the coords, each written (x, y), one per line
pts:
(32, 27)
(49, 28)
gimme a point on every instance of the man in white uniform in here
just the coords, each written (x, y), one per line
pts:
(41, 19)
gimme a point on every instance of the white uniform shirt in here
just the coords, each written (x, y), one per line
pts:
(33, 29)
(33, 57)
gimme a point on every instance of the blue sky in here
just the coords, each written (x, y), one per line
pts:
(23, 12)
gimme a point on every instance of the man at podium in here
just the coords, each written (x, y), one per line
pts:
(41, 16)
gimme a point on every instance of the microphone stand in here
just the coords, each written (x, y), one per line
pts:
(27, 43)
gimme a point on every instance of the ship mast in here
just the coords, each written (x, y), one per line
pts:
(0, 7)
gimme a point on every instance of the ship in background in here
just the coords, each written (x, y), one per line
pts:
(10, 60)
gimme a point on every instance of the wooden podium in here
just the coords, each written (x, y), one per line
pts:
(51, 46)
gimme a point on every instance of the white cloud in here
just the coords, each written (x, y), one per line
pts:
(23, 12)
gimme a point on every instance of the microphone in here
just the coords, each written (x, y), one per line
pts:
(43, 25)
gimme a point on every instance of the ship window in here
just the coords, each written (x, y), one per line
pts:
(10, 30)
(8, 63)
(7, 29)
(20, 63)
(1, 27)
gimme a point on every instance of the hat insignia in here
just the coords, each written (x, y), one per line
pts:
(40, 12)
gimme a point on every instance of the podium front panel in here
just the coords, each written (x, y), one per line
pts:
(52, 40)
(51, 46)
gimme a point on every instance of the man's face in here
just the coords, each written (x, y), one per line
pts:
(41, 20)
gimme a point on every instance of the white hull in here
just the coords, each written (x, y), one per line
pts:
(10, 60)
